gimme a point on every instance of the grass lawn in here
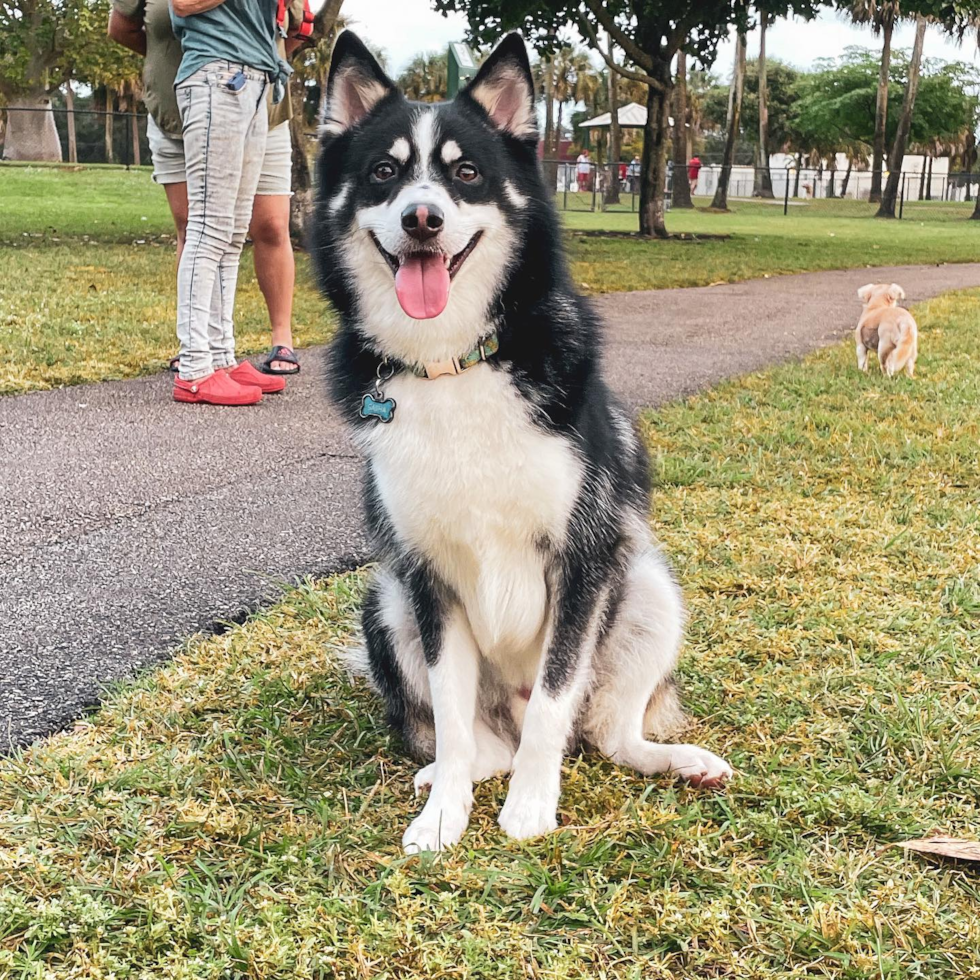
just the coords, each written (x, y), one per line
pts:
(87, 293)
(237, 812)
(91, 311)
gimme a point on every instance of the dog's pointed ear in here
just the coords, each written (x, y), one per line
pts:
(504, 89)
(895, 292)
(356, 84)
(864, 293)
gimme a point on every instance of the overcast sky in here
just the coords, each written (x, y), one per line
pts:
(406, 27)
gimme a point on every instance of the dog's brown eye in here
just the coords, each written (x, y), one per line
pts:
(467, 173)
(383, 171)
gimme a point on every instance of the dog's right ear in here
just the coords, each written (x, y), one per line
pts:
(895, 292)
(356, 85)
(864, 293)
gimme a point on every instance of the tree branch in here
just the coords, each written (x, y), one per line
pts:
(633, 51)
(636, 76)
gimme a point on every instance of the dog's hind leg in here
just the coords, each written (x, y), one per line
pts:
(862, 356)
(885, 360)
(635, 693)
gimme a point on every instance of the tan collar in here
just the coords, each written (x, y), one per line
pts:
(430, 370)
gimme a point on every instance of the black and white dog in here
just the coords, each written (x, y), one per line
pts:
(521, 606)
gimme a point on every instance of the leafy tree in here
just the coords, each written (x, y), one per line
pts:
(43, 45)
(882, 15)
(955, 18)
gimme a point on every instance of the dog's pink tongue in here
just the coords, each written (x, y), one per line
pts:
(422, 285)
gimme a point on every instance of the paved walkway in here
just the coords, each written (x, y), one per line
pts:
(117, 539)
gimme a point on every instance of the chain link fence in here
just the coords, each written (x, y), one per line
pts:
(793, 192)
(48, 134)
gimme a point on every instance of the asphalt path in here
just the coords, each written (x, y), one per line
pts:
(128, 522)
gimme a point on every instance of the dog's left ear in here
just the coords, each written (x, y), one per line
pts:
(864, 293)
(895, 292)
(504, 89)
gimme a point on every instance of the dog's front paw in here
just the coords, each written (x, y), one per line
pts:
(438, 826)
(527, 815)
(699, 766)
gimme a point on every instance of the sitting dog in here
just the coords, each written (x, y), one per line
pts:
(886, 328)
(520, 606)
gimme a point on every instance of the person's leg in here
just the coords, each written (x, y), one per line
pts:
(275, 267)
(252, 153)
(213, 150)
(177, 199)
(272, 253)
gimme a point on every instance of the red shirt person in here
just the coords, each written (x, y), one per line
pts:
(693, 169)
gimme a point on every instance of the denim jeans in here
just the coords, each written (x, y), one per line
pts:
(224, 143)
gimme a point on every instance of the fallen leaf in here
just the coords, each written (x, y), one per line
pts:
(947, 847)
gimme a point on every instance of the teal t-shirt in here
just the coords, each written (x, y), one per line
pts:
(240, 31)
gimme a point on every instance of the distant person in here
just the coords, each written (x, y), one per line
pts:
(622, 175)
(145, 26)
(633, 172)
(584, 171)
(693, 169)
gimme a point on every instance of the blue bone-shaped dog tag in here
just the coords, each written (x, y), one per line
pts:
(383, 411)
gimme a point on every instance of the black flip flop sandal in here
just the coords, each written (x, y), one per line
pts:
(279, 353)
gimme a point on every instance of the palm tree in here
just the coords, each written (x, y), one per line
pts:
(574, 80)
(426, 79)
(889, 196)
(763, 177)
(882, 15)
(615, 138)
(720, 200)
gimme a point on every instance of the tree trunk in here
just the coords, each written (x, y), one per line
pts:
(922, 180)
(134, 128)
(881, 114)
(720, 201)
(108, 119)
(976, 210)
(557, 133)
(549, 108)
(929, 181)
(831, 186)
(889, 196)
(681, 197)
(301, 181)
(32, 135)
(70, 119)
(796, 180)
(653, 178)
(763, 175)
(615, 143)
(847, 178)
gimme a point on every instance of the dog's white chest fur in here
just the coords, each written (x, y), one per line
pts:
(475, 487)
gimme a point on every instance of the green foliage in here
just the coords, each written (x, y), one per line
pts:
(44, 42)
(835, 104)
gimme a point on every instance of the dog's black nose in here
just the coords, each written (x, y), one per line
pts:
(422, 221)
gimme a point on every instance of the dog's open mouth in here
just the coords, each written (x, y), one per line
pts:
(422, 278)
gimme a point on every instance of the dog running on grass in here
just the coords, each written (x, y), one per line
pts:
(520, 607)
(887, 328)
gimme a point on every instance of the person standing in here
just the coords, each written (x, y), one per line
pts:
(584, 171)
(144, 26)
(693, 169)
(633, 171)
(229, 63)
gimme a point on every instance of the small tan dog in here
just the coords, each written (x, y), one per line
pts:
(886, 328)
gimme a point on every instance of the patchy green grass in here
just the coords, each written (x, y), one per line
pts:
(237, 812)
(92, 311)
(762, 242)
